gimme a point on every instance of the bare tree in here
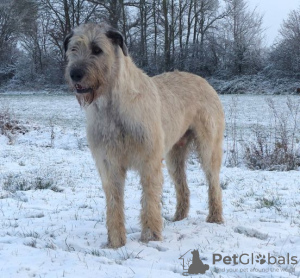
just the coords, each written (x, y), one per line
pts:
(65, 14)
(165, 7)
(244, 30)
(286, 52)
(16, 17)
(200, 36)
(207, 17)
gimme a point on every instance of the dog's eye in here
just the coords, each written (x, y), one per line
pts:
(96, 50)
(73, 49)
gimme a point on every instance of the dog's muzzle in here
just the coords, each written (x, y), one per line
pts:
(76, 75)
(82, 90)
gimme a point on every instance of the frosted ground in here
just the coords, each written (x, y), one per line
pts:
(52, 206)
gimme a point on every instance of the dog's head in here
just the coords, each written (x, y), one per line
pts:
(93, 52)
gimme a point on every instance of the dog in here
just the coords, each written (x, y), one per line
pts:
(135, 121)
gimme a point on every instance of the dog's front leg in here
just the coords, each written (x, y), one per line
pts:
(151, 180)
(113, 179)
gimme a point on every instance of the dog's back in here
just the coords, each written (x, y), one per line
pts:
(187, 98)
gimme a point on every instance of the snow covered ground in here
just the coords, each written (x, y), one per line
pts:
(52, 206)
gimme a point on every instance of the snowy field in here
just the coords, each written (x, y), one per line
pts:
(52, 206)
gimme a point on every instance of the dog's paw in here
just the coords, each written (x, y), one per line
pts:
(215, 218)
(148, 235)
(179, 216)
(116, 242)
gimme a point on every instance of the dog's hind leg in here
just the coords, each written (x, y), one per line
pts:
(176, 159)
(209, 147)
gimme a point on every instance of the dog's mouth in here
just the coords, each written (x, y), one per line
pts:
(82, 90)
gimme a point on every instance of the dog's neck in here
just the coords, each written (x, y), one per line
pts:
(127, 87)
(131, 79)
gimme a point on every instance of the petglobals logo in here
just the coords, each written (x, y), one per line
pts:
(193, 265)
(246, 259)
(254, 262)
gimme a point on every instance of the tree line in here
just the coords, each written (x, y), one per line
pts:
(222, 38)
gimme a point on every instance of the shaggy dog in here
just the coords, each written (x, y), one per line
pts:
(134, 122)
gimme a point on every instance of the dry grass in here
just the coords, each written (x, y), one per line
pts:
(276, 148)
(9, 126)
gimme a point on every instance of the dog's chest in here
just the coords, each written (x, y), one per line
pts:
(107, 127)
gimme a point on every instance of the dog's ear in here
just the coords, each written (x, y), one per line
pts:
(117, 38)
(67, 40)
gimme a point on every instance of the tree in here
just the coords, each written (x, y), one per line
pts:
(16, 17)
(199, 36)
(243, 38)
(207, 19)
(286, 52)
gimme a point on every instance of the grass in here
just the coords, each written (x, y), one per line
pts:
(224, 184)
(231, 133)
(50, 245)
(41, 184)
(13, 183)
(39, 215)
(9, 126)
(272, 147)
(125, 255)
(276, 148)
(31, 234)
(31, 243)
(97, 253)
(269, 203)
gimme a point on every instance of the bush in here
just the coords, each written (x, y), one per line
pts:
(262, 154)
(16, 183)
(276, 149)
(9, 126)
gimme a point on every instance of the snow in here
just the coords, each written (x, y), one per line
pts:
(59, 231)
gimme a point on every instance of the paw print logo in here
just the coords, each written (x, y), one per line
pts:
(261, 259)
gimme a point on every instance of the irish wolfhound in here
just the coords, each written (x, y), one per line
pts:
(134, 122)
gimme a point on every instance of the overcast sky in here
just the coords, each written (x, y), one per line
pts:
(274, 12)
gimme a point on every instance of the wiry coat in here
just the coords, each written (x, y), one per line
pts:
(134, 122)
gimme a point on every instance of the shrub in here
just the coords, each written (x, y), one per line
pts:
(276, 149)
(9, 126)
(16, 183)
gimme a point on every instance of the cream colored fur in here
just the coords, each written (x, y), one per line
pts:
(134, 121)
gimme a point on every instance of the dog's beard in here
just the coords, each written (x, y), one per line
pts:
(85, 99)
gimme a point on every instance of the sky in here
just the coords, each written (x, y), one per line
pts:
(275, 11)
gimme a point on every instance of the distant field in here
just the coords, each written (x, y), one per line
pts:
(40, 108)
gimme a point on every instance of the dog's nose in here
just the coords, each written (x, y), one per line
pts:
(76, 74)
